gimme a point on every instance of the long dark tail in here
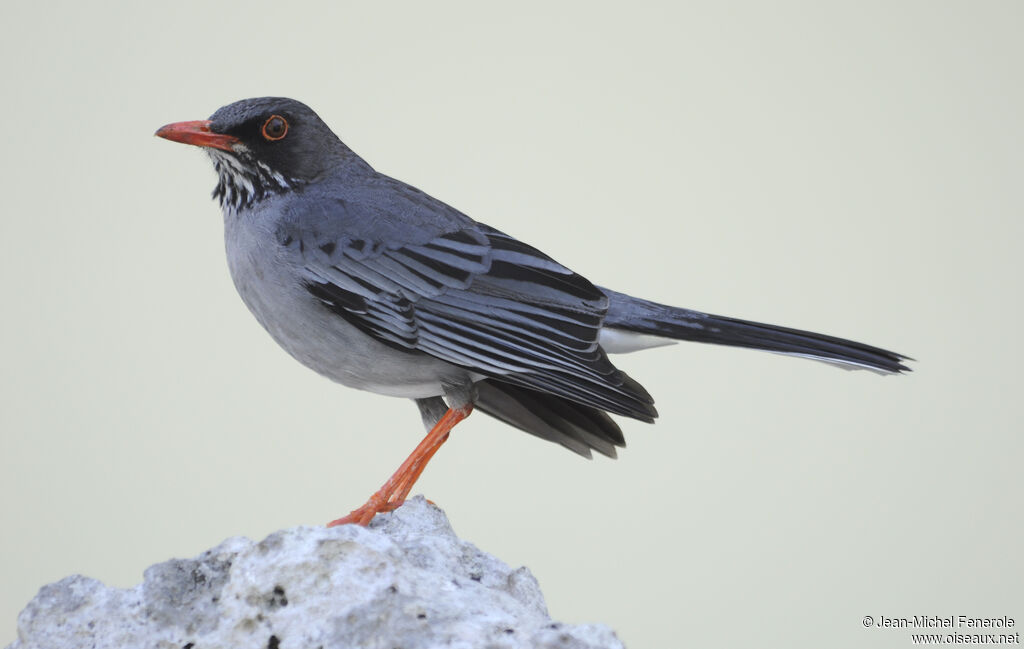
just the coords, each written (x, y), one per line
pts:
(630, 314)
(630, 324)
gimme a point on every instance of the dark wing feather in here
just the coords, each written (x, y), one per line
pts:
(477, 298)
(577, 427)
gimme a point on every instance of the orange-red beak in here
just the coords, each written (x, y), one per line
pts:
(196, 133)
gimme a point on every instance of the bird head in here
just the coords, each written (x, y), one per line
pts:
(262, 147)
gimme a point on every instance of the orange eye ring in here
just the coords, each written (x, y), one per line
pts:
(275, 128)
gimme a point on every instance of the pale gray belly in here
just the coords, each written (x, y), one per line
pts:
(324, 341)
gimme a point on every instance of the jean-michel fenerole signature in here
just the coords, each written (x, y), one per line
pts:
(946, 622)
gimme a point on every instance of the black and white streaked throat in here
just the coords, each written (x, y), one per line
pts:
(242, 180)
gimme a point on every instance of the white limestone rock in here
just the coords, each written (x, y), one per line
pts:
(406, 581)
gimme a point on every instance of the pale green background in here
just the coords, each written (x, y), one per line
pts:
(851, 168)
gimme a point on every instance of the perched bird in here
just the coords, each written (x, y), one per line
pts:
(381, 287)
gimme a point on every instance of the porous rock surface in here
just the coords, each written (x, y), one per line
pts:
(406, 581)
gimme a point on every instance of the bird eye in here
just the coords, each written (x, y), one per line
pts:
(275, 128)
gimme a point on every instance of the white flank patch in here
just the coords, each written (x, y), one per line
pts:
(620, 341)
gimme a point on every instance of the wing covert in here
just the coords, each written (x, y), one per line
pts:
(477, 298)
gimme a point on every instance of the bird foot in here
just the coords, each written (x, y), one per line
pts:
(364, 514)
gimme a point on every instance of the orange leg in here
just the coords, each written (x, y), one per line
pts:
(398, 486)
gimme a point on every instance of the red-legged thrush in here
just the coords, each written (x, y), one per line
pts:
(379, 286)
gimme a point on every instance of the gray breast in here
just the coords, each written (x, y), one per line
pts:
(268, 277)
